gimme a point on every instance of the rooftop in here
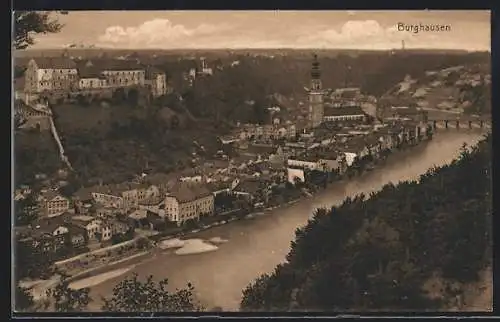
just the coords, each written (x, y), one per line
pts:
(250, 186)
(106, 64)
(115, 189)
(89, 72)
(50, 194)
(84, 194)
(189, 192)
(340, 111)
(55, 63)
(83, 218)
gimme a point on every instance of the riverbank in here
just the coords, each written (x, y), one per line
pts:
(228, 218)
(256, 246)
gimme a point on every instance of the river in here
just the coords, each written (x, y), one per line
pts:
(255, 246)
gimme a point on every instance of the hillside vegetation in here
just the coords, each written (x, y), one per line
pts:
(379, 254)
(119, 141)
(115, 143)
(34, 153)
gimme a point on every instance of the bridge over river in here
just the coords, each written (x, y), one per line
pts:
(461, 122)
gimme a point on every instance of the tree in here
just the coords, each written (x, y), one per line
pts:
(31, 263)
(18, 121)
(27, 23)
(376, 254)
(132, 295)
(23, 299)
(133, 97)
(25, 210)
(67, 299)
(119, 95)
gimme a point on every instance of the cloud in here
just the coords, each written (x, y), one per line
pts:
(361, 34)
(156, 33)
(353, 34)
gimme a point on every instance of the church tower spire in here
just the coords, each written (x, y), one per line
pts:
(316, 108)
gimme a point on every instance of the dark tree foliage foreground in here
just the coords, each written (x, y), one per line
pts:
(27, 23)
(377, 254)
(133, 295)
(66, 299)
(23, 299)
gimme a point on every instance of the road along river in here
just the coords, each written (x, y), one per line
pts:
(255, 246)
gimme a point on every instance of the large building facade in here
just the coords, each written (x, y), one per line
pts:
(50, 74)
(316, 107)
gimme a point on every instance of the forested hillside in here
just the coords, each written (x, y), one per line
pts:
(378, 253)
(374, 72)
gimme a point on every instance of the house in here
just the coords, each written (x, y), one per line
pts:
(155, 221)
(255, 189)
(188, 201)
(90, 224)
(53, 204)
(348, 113)
(91, 77)
(106, 230)
(122, 195)
(146, 192)
(103, 212)
(119, 227)
(306, 161)
(138, 218)
(155, 81)
(78, 236)
(279, 157)
(407, 111)
(219, 187)
(355, 148)
(82, 199)
(155, 205)
(294, 174)
(50, 74)
(50, 234)
(332, 161)
(162, 181)
(119, 72)
(259, 151)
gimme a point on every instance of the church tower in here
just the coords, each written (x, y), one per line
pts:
(316, 108)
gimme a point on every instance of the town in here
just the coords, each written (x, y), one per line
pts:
(257, 166)
(140, 158)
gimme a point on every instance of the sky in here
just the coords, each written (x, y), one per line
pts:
(373, 30)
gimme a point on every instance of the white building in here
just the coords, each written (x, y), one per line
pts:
(50, 74)
(53, 204)
(349, 113)
(188, 201)
(156, 81)
(119, 73)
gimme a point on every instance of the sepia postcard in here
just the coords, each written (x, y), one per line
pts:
(251, 161)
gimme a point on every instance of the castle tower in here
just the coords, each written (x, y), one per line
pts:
(316, 108)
